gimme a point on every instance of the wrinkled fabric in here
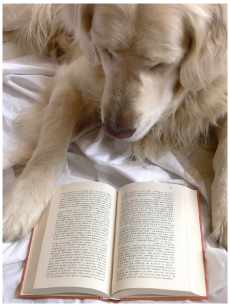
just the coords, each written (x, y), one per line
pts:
(91, 157)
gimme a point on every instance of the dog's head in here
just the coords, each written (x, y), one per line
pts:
(148, 53)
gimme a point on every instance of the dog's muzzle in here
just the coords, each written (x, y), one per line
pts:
(118, 132)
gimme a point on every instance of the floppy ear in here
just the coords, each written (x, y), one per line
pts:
(78, 18)
(206, 59)
(85, 16)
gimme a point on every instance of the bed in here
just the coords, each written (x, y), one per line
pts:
(91, 157)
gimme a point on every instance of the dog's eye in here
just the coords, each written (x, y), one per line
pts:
(108, 53)
(157, 66)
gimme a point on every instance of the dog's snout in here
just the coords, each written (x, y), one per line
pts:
(117, 131)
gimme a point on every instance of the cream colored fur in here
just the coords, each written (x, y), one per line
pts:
(158, 69)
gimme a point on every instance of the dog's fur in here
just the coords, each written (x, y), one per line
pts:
(157, 75)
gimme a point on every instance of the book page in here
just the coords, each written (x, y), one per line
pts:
(78, 241)
(151, 244)
(194, 244)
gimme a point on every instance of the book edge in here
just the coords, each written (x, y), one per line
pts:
(112, 300)
(168, 298)
(24, 270)
(202, 243)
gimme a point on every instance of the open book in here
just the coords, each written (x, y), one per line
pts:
(142, 242)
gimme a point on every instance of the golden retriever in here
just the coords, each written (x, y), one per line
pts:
(156, 73)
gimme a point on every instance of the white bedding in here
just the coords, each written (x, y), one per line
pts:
(91, 157)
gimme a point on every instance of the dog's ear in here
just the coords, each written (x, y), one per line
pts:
(206, 27)
(77, 18)
(85, 16)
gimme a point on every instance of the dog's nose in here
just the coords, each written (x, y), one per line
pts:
(119, 133)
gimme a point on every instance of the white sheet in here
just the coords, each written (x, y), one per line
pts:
(91, 157)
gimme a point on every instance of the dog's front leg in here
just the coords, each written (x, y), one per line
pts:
(219, 187)
(32, 191)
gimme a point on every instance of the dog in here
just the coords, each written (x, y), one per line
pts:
(156, 73)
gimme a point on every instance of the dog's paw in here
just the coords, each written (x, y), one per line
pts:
(220, 230)
(23, 205)
(220, 197)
